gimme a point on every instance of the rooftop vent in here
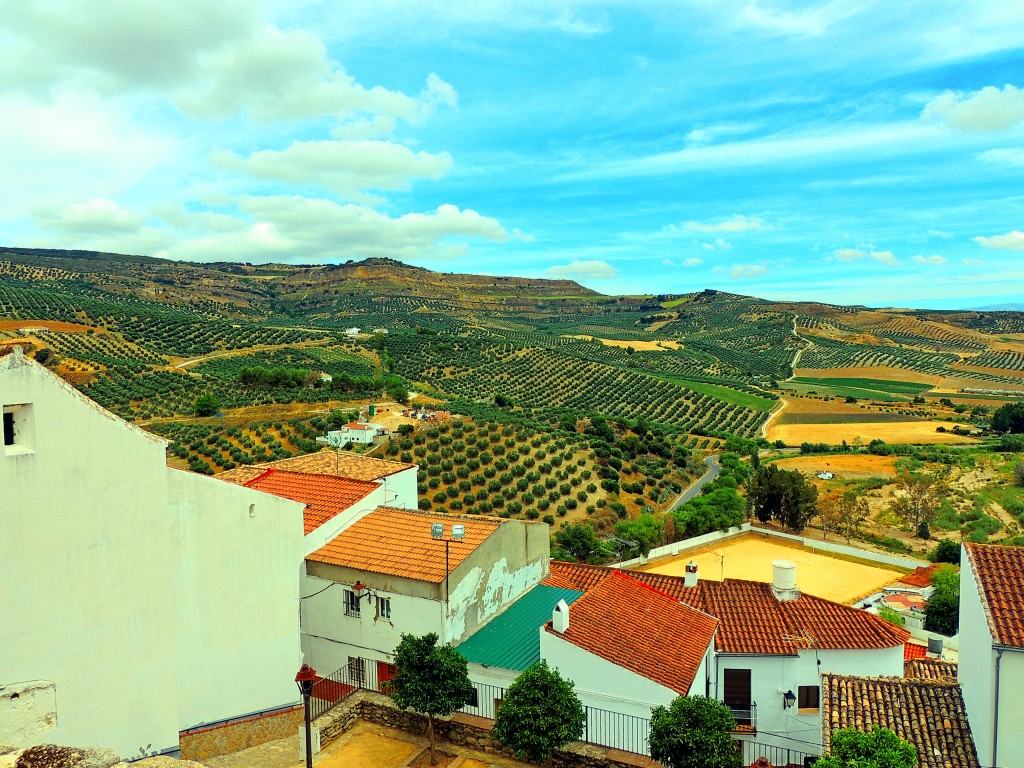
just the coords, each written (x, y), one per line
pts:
(690, 576)
(560, 617)
(784, 580)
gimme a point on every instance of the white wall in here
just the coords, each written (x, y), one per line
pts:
(329, 530)
(148, 598)
(237, 583)
(772, 676)
(86, 554)
(976, 673)
(401, 489)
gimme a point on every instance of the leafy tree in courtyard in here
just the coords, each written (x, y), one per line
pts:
(207, 405)
(942, 611)
(946, 551)
(1009, 418)
(881, 748)
(539, 714)
(693, 732)
(782, 495)
(432, 679)
(891, 615)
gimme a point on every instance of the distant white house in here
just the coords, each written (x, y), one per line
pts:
(992, 650)
(352, 331)
(136, 601)
(358, 432)
(380, 330)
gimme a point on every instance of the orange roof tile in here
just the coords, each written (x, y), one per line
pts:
(640, 629)
(1000, 575)
(930, 715)
(921, 576)
(753, 620)
(324, 495)
(930, 669)
(325, 462)
(914, 651)
(398, 542)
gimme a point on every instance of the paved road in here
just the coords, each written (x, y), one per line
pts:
(714, 468)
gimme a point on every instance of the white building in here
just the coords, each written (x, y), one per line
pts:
(352, 331)
(136, 601)
(771, 646)
(386, 574)
(992, 650)
(358, 432)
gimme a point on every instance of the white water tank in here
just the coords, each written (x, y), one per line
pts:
(784, 580)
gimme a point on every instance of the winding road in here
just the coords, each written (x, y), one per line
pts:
(714, 468)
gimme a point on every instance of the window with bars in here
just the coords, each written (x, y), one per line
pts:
(351, 603)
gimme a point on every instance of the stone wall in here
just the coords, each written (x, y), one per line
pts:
(203, 743)
(462, 730)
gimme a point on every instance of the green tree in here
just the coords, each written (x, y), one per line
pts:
(431, 679)
(946, 551)
(693, 732)
(891, 615)
(645, 530)
(921, 495)
(539, 714)
(207, 405)
(577, 542)
(881, 748)
(1009, 418)
(942, 611)
(782, 495)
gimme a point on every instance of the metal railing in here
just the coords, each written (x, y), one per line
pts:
(617, 730)
(485, 701)
(780, 757)
(745, 717)
(330, 691)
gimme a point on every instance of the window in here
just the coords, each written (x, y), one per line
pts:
(351, 603)
(356, 671)
(19, 434)
(384, 608)
(808, 697)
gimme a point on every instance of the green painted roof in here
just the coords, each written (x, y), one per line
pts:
(511, 640)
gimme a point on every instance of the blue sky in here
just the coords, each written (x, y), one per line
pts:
(850, 152)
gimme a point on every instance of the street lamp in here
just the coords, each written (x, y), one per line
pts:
(304, 679)
(458, 534)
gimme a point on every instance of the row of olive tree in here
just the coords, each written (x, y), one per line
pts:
(540, 713)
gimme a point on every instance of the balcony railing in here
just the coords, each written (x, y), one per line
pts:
(745, 717)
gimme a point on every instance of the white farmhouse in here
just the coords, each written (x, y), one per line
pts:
(992, 650)
(358, 432)
(386, 574)
(136, 601)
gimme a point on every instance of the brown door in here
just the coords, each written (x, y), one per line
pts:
(736, 694)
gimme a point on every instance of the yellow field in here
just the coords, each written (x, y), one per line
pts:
(750, 557)
(849, 465)
(891, 432)
(640, 346)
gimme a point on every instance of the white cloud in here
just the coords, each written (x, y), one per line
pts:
(803, 23)
(972, 262)
(933, 260)
(1012, 241)
(706, 134)
(584, 270)
(693, 262)
(1012, 156)
(345, 167)
(735, 223)
(990, 109)
(310, 230)
(939, 233)
(854, 254)
(99, 215)
(747, 271)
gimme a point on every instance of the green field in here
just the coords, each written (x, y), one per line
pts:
(874, 385)
(860, 394)
(675, 302)
(727, 394)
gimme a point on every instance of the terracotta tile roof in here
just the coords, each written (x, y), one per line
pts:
(754, 621)
(325, 462)
(324, 495)
(921, 576)
(397, 542)
(914, 651)
(930, 669)
(905, 601)
(1000, 574)
(640, 629)
(560, 582)
(930, 715)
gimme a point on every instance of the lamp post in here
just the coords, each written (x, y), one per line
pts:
(304, 679)
(458, 534)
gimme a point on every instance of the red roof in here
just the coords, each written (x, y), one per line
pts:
(752, 620)
(324, 495)
(636, 627)
(1000, 574)
(921, 576)
(914, 651)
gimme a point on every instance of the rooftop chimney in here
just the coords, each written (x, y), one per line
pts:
(690, 577)
(784, 580)
(560, 617)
